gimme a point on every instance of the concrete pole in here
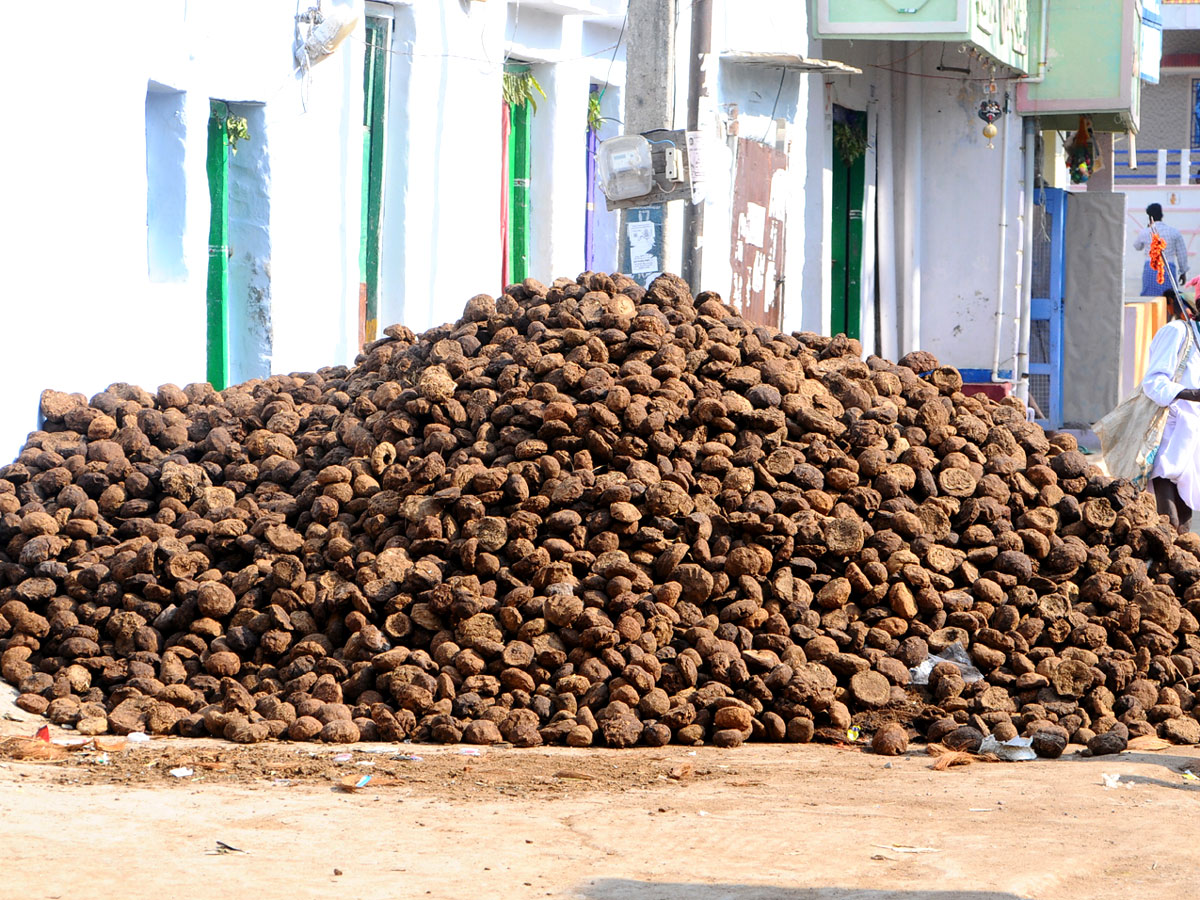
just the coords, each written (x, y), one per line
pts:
(649, 89)
(698, 93)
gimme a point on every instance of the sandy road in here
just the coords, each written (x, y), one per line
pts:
(779, 822)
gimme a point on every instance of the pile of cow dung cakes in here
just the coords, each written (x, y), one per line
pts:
(590, 514)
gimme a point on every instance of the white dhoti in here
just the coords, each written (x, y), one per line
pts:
(1178, 457)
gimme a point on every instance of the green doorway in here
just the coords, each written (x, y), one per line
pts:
(849, 189)
(217, 331)
(518, 132)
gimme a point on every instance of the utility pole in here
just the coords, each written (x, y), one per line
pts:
(649, 89)
(698, 93)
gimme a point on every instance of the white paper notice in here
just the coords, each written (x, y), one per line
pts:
(695, 155)
(641, 248)
(644, 262)
(641, 236)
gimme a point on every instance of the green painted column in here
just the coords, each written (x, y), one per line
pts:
(218, 249)
(374, 130)
(518, 186)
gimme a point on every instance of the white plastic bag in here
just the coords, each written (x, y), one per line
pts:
(952, 654)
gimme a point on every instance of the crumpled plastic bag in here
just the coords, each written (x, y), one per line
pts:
(952, 654)
(1018, 749)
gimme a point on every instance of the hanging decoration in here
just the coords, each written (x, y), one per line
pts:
(520, 87)
(236, 127)
(238, 130)
(990, 110)
(595, 116)
(1157, 245)
(850, 141)
(1082, 160)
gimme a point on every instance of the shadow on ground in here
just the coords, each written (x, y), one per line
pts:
(1175, 765)
(632, 889)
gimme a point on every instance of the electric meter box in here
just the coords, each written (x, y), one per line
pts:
(625, 167)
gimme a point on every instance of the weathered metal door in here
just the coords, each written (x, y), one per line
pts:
(1046, 307)
(758, 231)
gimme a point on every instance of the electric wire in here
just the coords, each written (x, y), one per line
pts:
(775, 105)
(411, 55)
(513, 38)
(616, 48)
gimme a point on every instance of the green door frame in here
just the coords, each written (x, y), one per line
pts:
(374, 115)
(518, 185)
(217, 298)
(849, 195)
(857, 189)
(839, 246)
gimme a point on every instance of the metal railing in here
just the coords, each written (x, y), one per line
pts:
(1157, 167)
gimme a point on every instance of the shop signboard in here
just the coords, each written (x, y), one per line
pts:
(1093, 66)
(1000, 28)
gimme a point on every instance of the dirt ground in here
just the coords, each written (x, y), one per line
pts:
(773, 822)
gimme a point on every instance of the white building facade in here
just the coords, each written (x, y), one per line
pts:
(105, 275)
(392, 140)
(849, 184)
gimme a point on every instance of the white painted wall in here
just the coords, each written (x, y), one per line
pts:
(97, 301)
(88, 310)
(960, 198)
(765, 26)
(811, 311)
(441, 205)
(604, 223)
(603, 42)
(444, 176)
(1180, 17)
(81, 308)
(963, 197)
(558, 179)
(960, 190)
(251, 331)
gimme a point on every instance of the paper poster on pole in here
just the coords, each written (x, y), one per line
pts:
(695, 155)
(644, 262)
(641, 248)
(641, 235)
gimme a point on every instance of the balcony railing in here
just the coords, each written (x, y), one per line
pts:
(1157, 167)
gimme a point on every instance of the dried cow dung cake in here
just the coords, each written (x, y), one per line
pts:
(590, 514)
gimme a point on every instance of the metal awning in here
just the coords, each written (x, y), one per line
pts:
(789, 61)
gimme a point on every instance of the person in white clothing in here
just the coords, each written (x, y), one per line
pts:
(1175, 475)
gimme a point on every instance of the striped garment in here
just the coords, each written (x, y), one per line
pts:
(1175, 254)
